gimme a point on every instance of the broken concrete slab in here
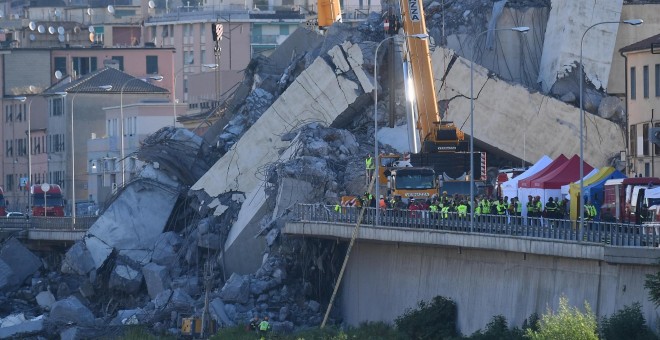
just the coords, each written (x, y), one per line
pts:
(165, 249)
(71, 310)
(126, 316)
(133, 222)
(519, 125)
(20, 260)
(236, 289)
(156, 277)
(22, 329)
(176, 298)
(78, 260)
(72, 333)
(45, 299)
(189, 284)
(125, 278)
(218, 313)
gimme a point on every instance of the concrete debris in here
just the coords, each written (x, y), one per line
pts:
(166, 248)
(45, 299)
(189, 284)
(613, 109)
(14, 326)
(125, 278)
(71, 310)
(236, 289)
(77, 260)
(20, 261)
(176, 298)
(156, 278)
(219, 314)
(72, 333)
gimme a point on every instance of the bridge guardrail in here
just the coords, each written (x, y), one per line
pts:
(610, 233)
(48, 223)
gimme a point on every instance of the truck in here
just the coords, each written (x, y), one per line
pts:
(48, 203)
(624, 198)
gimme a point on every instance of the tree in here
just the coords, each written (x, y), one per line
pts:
(652, 284)
(567, 323)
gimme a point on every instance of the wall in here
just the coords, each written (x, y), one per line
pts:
(569, 19)
(629, 35)
(23, 68)
(382, 280)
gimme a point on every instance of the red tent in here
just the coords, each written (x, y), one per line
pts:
(527, 182)
(566, 173)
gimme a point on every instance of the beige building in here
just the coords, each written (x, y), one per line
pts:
(642, 60)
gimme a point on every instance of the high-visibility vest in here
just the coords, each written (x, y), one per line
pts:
(445, 211)
(518, 207)
(539, 206)
(369, 163)
(433, 208)
(462, 210)
(551, 207)
(501, 208)
(264, 325)
(531, 207)
(337, 208)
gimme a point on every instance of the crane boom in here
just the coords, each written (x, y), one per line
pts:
(329, 12)
(436, 135)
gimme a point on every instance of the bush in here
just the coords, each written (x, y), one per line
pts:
(374, 331)
(567, 323)
(435, 320)
(498, 329)
(627, 323)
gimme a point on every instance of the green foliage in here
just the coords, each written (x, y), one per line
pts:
(141, 333)
(652, 284)
(532, 322)
(374, 331)
(237, 332)
(626, 324)
(498, 329)
(366, 331)
(567, 323)
(435, 320)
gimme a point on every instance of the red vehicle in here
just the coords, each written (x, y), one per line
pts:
(3, 205)
(50, 204)
(624, 197)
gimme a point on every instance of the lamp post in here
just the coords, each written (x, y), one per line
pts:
(73, 151)
(176, 74)
(632, 22)
(22, 99)
(420, 36)
(121, 118)
(519, 29)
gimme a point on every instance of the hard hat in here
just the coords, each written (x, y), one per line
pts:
(265, 318)
(381, 196)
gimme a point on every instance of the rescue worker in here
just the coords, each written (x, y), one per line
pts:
(500, 208)
(530, 206)
(462, 209)
(264, 327)
(551, 209)
(370, 167)
(254, 324)
(590, 211)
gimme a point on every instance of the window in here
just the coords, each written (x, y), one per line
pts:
(187, 30)
(166, 31)
(284, 30)
(60, 64)
(656, 148)
(645, 139)
(188, 57)
(152, 64)
(9, 149)
(9, 182)
(657, 80)
(120, 61)
(84, 65)
(153, 33)
(633, 86)
(201, 32)
(172, 31)
(633, 140)
(645, 75)
(57, 107)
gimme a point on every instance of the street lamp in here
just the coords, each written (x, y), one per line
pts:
(632, 22)
(176, 74)
(22, 99)
(73, 151)
(519, 29)
(121, 114)
(421, 36)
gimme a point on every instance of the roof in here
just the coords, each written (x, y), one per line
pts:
(119, 80)
(645, 44)
(527, 182)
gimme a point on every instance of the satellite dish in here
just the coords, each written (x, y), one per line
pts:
(152, 4)
(60, 37)
(58, 74)
(45, 187)
(32, 37)
(41, 29)
(76, 29)
(91, 37)
(111, 9)
(32, 26)
(90, 11)
(60, 30)
(91, 29)
(51, 30)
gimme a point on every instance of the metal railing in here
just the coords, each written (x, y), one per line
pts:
(616, 234)
(48, 223)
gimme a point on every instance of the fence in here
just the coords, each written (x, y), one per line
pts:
(48, 223)
(616, 234)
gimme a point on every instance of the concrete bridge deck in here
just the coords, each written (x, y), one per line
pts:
(498, 270)
(54, 229)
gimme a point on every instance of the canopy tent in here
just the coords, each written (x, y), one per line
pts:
(565, 189)
(510, 187)
(593, 189)
(525, 183)
(549, 185)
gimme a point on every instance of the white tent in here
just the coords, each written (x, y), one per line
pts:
(564, 188)
(510, 187)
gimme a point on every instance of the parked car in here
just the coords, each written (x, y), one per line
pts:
(16, 214)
